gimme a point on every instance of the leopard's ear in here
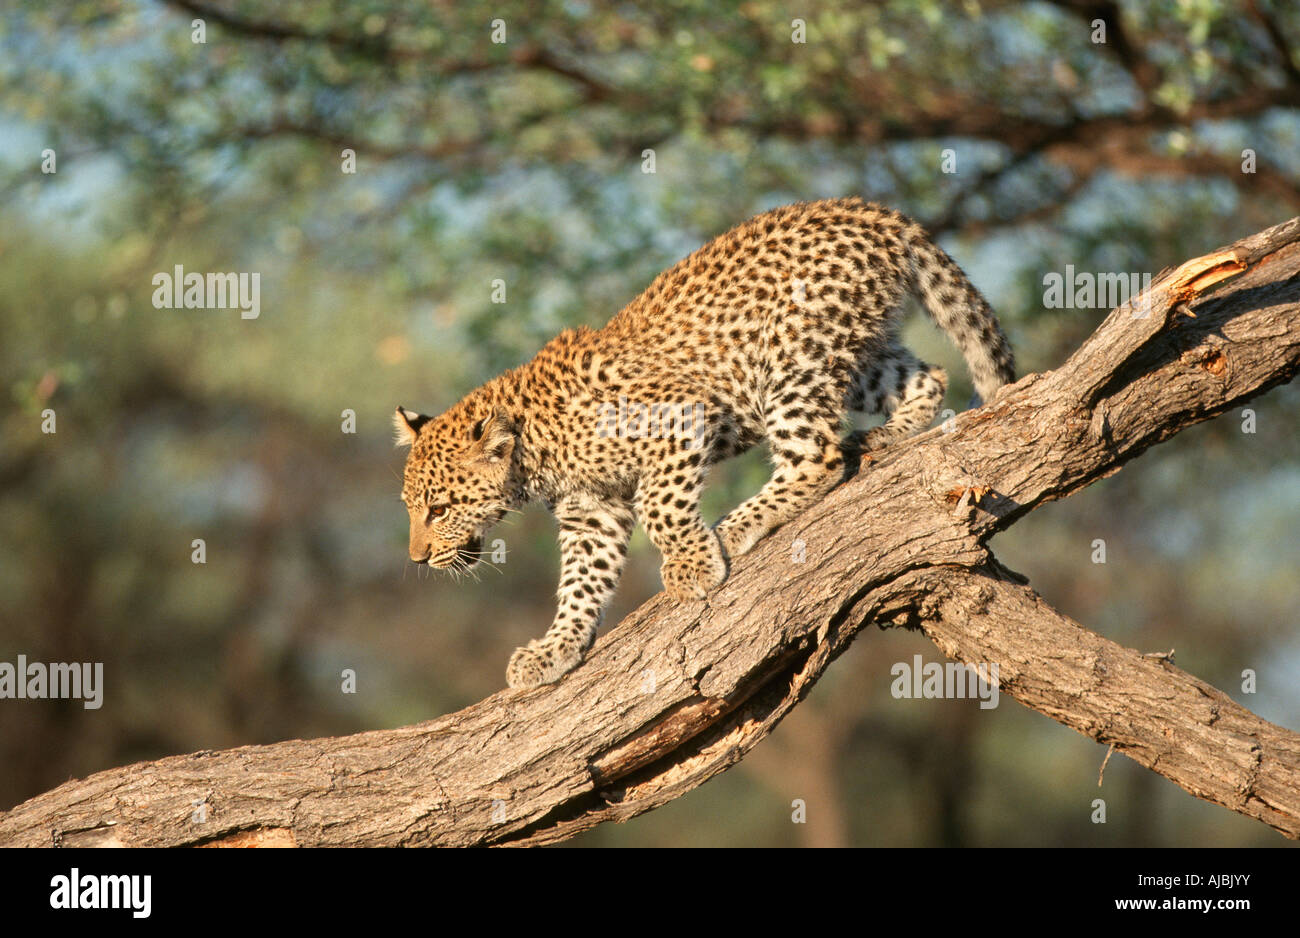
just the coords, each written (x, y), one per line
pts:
(493, 437)
(407, 424)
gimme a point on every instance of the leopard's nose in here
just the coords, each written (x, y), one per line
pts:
(421, 556)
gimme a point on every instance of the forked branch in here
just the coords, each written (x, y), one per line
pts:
(679, 692)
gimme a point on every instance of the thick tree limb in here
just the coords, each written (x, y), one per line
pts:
(680, 692)
(1155, 714)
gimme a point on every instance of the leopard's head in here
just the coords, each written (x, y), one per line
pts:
(458, 481)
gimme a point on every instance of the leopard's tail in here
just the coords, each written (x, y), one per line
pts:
(961, 311)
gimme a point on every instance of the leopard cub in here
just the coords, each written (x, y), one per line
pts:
(772, 331)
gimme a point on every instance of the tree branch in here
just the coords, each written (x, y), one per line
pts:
(1070, 140)
(380, 48)
(680, 692)
(1157, 715)
(1281, 46)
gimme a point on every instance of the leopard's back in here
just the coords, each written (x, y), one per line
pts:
(814, 283)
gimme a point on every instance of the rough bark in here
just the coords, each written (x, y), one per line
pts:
(680, 692)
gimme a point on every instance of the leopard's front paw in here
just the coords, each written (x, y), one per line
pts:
(692, 577)
(538, 663)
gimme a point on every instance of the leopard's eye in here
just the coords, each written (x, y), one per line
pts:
(436, 513)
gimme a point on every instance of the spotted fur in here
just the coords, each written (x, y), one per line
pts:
(770, 331)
